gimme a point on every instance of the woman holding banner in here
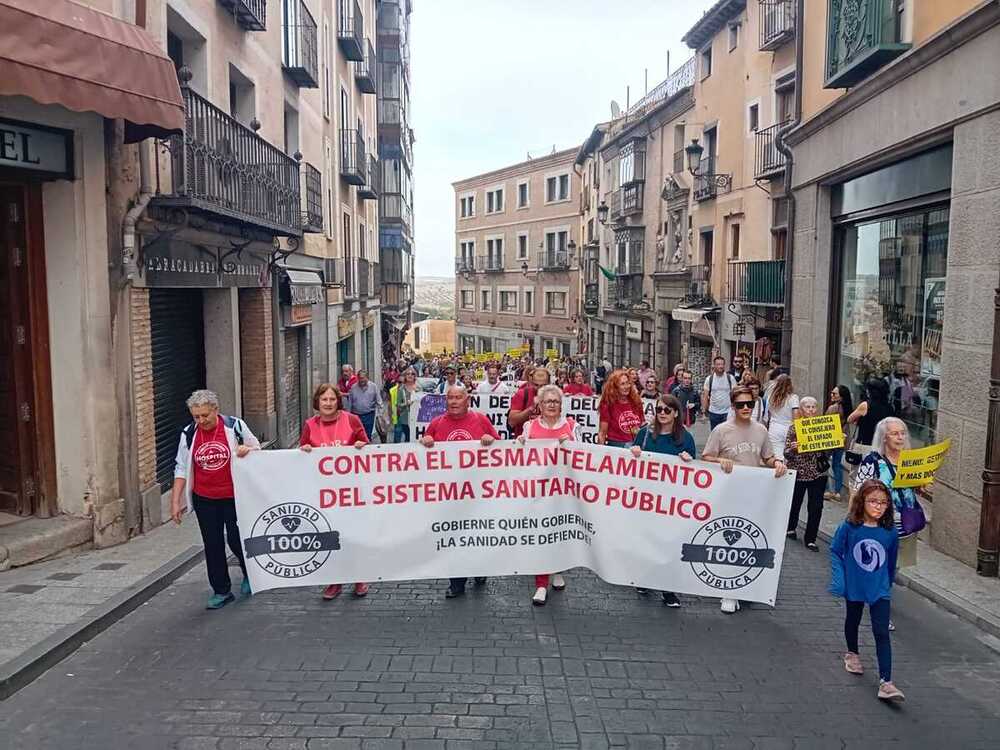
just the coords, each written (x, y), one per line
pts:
(333, 426)
(810, 479)
(665, 435)
(620, 412)
(524, 403)
(549, 425)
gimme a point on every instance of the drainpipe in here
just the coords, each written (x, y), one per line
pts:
(786, 151)
(129, 267)
(989, 514)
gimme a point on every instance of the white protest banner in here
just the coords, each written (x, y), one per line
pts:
(582, 409)
(404, 512)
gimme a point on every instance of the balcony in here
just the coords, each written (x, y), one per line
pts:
(369, 191)
(615, 211)
(365, 72)
(631, 266)
(624, 292)
(592, 298)
(553, 260)
(768, 161)
(394, 210)
(631, 198)
(464, 266)
(707, 184)
(301, 50)
(353, 160)
(312, 198)
(351, 30)
(251, 15)
(222, 168)
(862, 36)
(777, 23)
(364, 276)
(699, 291)
(757, 282)
(490, 263)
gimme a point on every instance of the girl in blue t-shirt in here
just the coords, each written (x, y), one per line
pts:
(863, 567)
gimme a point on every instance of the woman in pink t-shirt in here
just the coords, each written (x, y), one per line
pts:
(333, 427)
(549, 425)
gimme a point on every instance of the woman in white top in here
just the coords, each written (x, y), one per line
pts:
(782, 410)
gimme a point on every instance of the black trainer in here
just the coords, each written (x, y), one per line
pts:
(454, 592)
(670, 599)
(480, 581)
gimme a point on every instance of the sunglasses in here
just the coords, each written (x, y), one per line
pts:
(663, 410)
(743, 405)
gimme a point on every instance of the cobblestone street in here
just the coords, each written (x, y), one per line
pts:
(597, 667)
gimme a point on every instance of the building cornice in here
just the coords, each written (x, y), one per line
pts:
(972, 24)
(713, 22)
(525, 167)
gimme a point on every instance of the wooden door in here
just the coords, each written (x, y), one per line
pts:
(18, 491)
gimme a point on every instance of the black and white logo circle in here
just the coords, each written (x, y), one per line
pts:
(728, 553)
(291, 540)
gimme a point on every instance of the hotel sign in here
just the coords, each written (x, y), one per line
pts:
(45, 151)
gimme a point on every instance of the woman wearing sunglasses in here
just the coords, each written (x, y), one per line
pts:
(665, 435)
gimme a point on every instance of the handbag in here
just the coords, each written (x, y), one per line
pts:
(823, 464)
(856, 453)
(911, 519)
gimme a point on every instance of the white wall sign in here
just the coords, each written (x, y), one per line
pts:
(633, 330)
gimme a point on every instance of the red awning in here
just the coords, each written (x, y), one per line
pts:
(60, 52)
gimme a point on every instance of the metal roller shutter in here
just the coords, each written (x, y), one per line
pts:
(177, 331)
(291, 387)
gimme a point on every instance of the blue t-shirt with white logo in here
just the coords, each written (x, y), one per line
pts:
(863, 562)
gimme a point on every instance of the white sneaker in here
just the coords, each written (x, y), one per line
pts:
(729, 606)
(558, 582)
(539, 597)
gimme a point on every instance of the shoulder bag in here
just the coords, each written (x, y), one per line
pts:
(911, 518)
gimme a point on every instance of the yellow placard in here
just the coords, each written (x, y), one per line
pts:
(916, 467)
(552, 354)
(822, 433)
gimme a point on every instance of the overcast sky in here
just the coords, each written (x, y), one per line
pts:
(494, 80)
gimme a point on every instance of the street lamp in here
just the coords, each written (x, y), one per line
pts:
(602, 213)
(710, 181)
(694, 150)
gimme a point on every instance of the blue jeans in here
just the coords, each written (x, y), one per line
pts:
(716, 419)
(837, 464)
(879, 612)
(368, 422)
(401, 433)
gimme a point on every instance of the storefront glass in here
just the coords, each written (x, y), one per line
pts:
(892, 312)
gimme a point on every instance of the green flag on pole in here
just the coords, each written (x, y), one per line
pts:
(610, 275)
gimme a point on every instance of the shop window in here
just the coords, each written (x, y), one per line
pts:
(892, 312)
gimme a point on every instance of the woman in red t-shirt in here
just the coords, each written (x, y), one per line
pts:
(333, 427)
(620, 411)
(578, 386)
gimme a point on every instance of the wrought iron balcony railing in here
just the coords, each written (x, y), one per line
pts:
(768, 160)
(681, 78)
(699, 286)
(369, 191)
(757, 282)
(249, 14)
(777, 23)
(465, 265)
(592, 298)
(301, 48)
(393, 209)
(312, 198)
(366, 71)
(353, 160)
(631, 198)
(708, 184)
(624, 292)
(490, 263)
(223, 168)
(862, 36)
(553, 260)
(631, 266)
(351, 30)
(364, 278)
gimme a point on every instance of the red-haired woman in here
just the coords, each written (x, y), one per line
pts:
(333, 427)
(619, 411)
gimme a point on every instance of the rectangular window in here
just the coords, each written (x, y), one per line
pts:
(522, 195)
(468, 300)
(508, 302)
(892, 312)
(529, 303)
(494, 253)
(467, 206)
(753, 118)
(494, 201)
(486, 295)
(734, 240)
(557, 188)
(555, 303)
(734, 36)
(467, 251)
(706, 62)
(522, 247)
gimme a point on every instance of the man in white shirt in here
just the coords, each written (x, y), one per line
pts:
(716, 391)
(492, 383)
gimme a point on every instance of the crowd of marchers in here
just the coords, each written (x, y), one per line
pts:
(751, 424)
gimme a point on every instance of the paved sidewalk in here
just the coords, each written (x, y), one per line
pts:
(44, 604)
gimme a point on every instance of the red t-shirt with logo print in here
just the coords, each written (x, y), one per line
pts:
(623, 420)
(212, 461)
(470, 426)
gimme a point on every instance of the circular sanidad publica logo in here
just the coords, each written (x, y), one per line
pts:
(291, 540)
(728, 553)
